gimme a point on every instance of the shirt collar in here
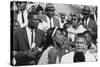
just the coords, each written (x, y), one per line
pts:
(27, 28)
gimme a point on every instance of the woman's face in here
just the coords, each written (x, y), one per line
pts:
(59, 38)
(75, 21)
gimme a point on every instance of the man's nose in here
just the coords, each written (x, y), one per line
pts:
(79, 45)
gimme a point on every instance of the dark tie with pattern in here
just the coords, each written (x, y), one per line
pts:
(23, 17)
(31, 37)
(79, 57)
(50, 23)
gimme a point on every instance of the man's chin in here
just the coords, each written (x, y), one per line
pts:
(34, 27)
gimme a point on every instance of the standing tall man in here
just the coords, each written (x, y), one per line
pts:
(27, 41)
(22, 15)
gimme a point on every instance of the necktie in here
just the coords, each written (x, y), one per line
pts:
(50, 23)
(79, 57)
(22, 17)
(85, 23)
(31, 37)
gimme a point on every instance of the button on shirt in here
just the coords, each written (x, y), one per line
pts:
(62, 24)
(29, 34)
(50, 22)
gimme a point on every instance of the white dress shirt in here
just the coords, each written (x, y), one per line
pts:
(68, 58)
(43, 26)
(86, 22)
(46, 25)
(50, 20)
(61, 24)
(19, 18)
(29, 33)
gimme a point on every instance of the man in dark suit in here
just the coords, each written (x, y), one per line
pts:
(89, 22)
(28, 41)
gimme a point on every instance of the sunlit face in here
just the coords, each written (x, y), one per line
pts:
(59, 38)
(80, 45)
(75, 20)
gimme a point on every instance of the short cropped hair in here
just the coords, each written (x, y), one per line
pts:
(80, 35)
(87, 32)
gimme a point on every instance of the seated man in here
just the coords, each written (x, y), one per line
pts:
(80, 54)
(27, 41)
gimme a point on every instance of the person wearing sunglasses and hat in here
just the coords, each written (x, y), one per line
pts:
(76, 27)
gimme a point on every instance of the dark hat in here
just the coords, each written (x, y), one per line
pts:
(86, 10)
(50, 6)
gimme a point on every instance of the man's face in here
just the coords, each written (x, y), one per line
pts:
(80, 45)
(33, 22)
(22, 6)
(50, 12)
(75, 21)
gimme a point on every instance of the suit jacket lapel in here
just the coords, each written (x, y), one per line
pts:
(25, 36)
(91, 23)
(56, 22)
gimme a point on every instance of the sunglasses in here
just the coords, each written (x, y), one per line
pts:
(74, 19)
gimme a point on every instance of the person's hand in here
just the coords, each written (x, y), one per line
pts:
(34, 49)
(89, 29)
(32, 62)
(30, 54)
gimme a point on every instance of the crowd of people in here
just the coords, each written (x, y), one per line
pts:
(42, 37)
